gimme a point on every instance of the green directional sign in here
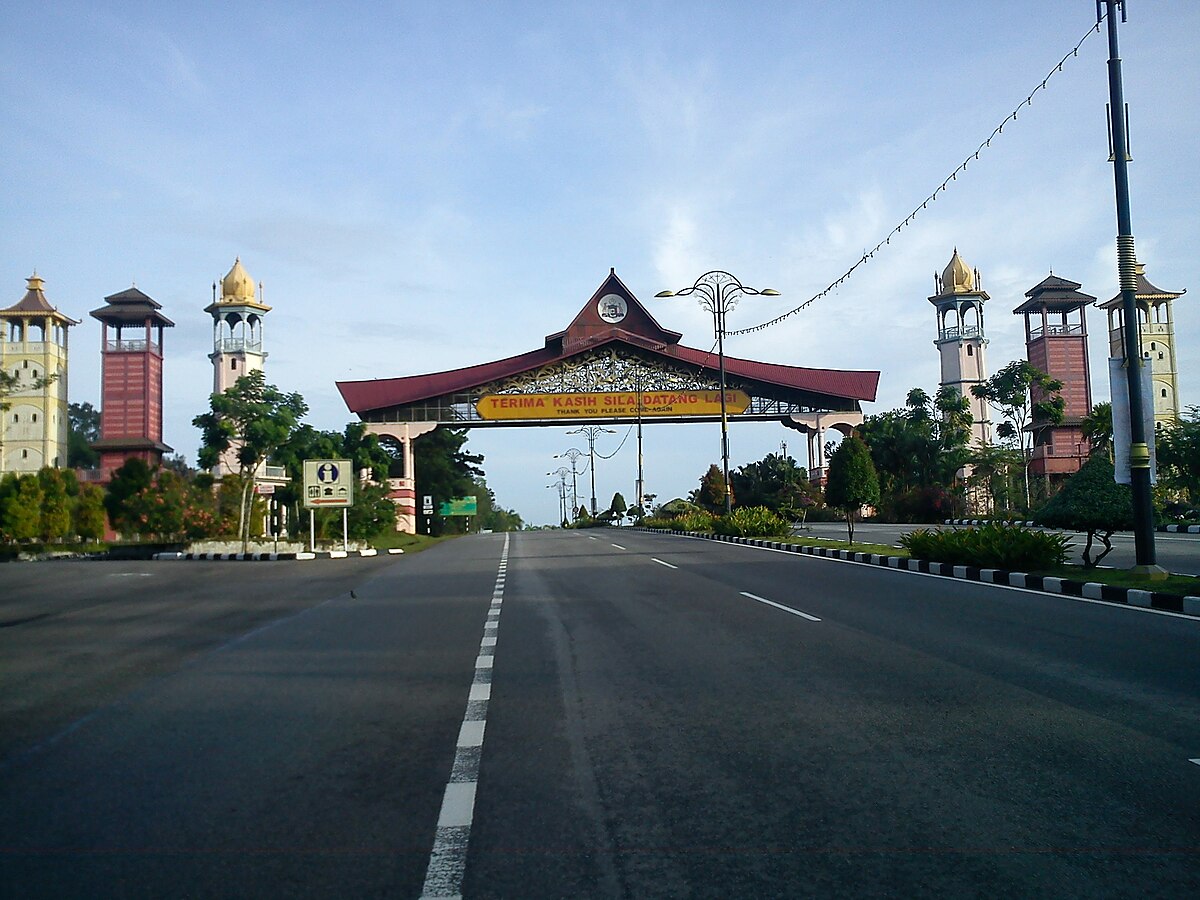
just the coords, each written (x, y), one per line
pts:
(463, 506)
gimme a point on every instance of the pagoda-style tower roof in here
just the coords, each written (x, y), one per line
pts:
(131, 307)
(1056, 295)
(1146, 293)
(35, 305)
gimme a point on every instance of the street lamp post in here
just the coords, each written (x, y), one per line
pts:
(591, 431)
(719, 292)
(561, 472)
(1139, 451)
(573, 455)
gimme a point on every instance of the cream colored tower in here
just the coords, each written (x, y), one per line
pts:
(237, 328)
(237, 339)
(33, 345)
(960, 339)
(1157, 322)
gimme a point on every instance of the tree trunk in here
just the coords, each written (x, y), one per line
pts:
(244, 513)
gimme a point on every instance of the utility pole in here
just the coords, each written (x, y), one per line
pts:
(1139, 450)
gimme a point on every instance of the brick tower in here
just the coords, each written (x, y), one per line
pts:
(131, 392)
(1056, 343)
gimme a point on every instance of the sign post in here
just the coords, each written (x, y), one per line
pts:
(328, 482)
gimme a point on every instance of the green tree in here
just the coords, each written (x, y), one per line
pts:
(852, 482)
(444, 470)
(918, 451)
(1097, 427)
(1029, 400)
(89, 517)
(22, 510)
(711, 493)
(1178, 453)
(492, 516)
(123, 500)
(57, 487)
(1091, 501)
(992, 470)
(618, 507)
(83, 430)
(774, 482)
(254, 419)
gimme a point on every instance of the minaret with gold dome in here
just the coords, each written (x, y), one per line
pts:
(237, 339)
(960, 338)
(33, 348)
(237, 328)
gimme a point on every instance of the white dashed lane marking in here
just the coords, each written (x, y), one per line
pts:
(661, 563)
(786, 609)
(618, 546)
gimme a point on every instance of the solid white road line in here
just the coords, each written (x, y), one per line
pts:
(661, 563)
(786, 609)
(1196, 761)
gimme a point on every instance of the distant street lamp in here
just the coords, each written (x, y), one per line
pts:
(562, 493)
(591, 431)
(573, 455)
(719, 292)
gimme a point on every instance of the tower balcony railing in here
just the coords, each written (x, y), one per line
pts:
(959, 332)
(237, 345)
(124, 346)
(1035, 333)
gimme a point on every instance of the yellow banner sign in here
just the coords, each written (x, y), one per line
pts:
(622, 404)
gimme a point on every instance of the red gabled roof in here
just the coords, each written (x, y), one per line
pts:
(589, 331)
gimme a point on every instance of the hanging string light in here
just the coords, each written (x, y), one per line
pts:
(953, 176)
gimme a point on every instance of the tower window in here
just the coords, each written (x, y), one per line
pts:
(1164, 392)
(970, 350)
(1153, 346)
(35, 417)
(24, 454)
(233, 364)
(16, 417)
(1160, 354)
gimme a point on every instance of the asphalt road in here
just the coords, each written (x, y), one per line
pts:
(1178, 553)
(649, 716)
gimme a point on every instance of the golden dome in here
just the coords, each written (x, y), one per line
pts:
(237, 286)
(957, 277)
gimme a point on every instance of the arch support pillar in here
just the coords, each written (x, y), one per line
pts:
(402, 491)
(814, 425)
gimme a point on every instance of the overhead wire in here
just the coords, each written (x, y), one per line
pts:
(953, 176)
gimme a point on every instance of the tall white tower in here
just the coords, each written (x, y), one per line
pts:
(237, 328)
(237, 339)
(960, 338)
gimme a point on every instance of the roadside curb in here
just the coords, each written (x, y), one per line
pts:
(265, 557)
(1165, 529)
(1087, 590)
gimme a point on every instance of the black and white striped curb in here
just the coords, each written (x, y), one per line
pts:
(986, 522)
(1166, 529)
(268, 557)
(1087, 590)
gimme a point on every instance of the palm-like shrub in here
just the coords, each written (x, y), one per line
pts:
(993, 546)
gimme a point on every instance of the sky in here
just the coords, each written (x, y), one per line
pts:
(423, 186)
